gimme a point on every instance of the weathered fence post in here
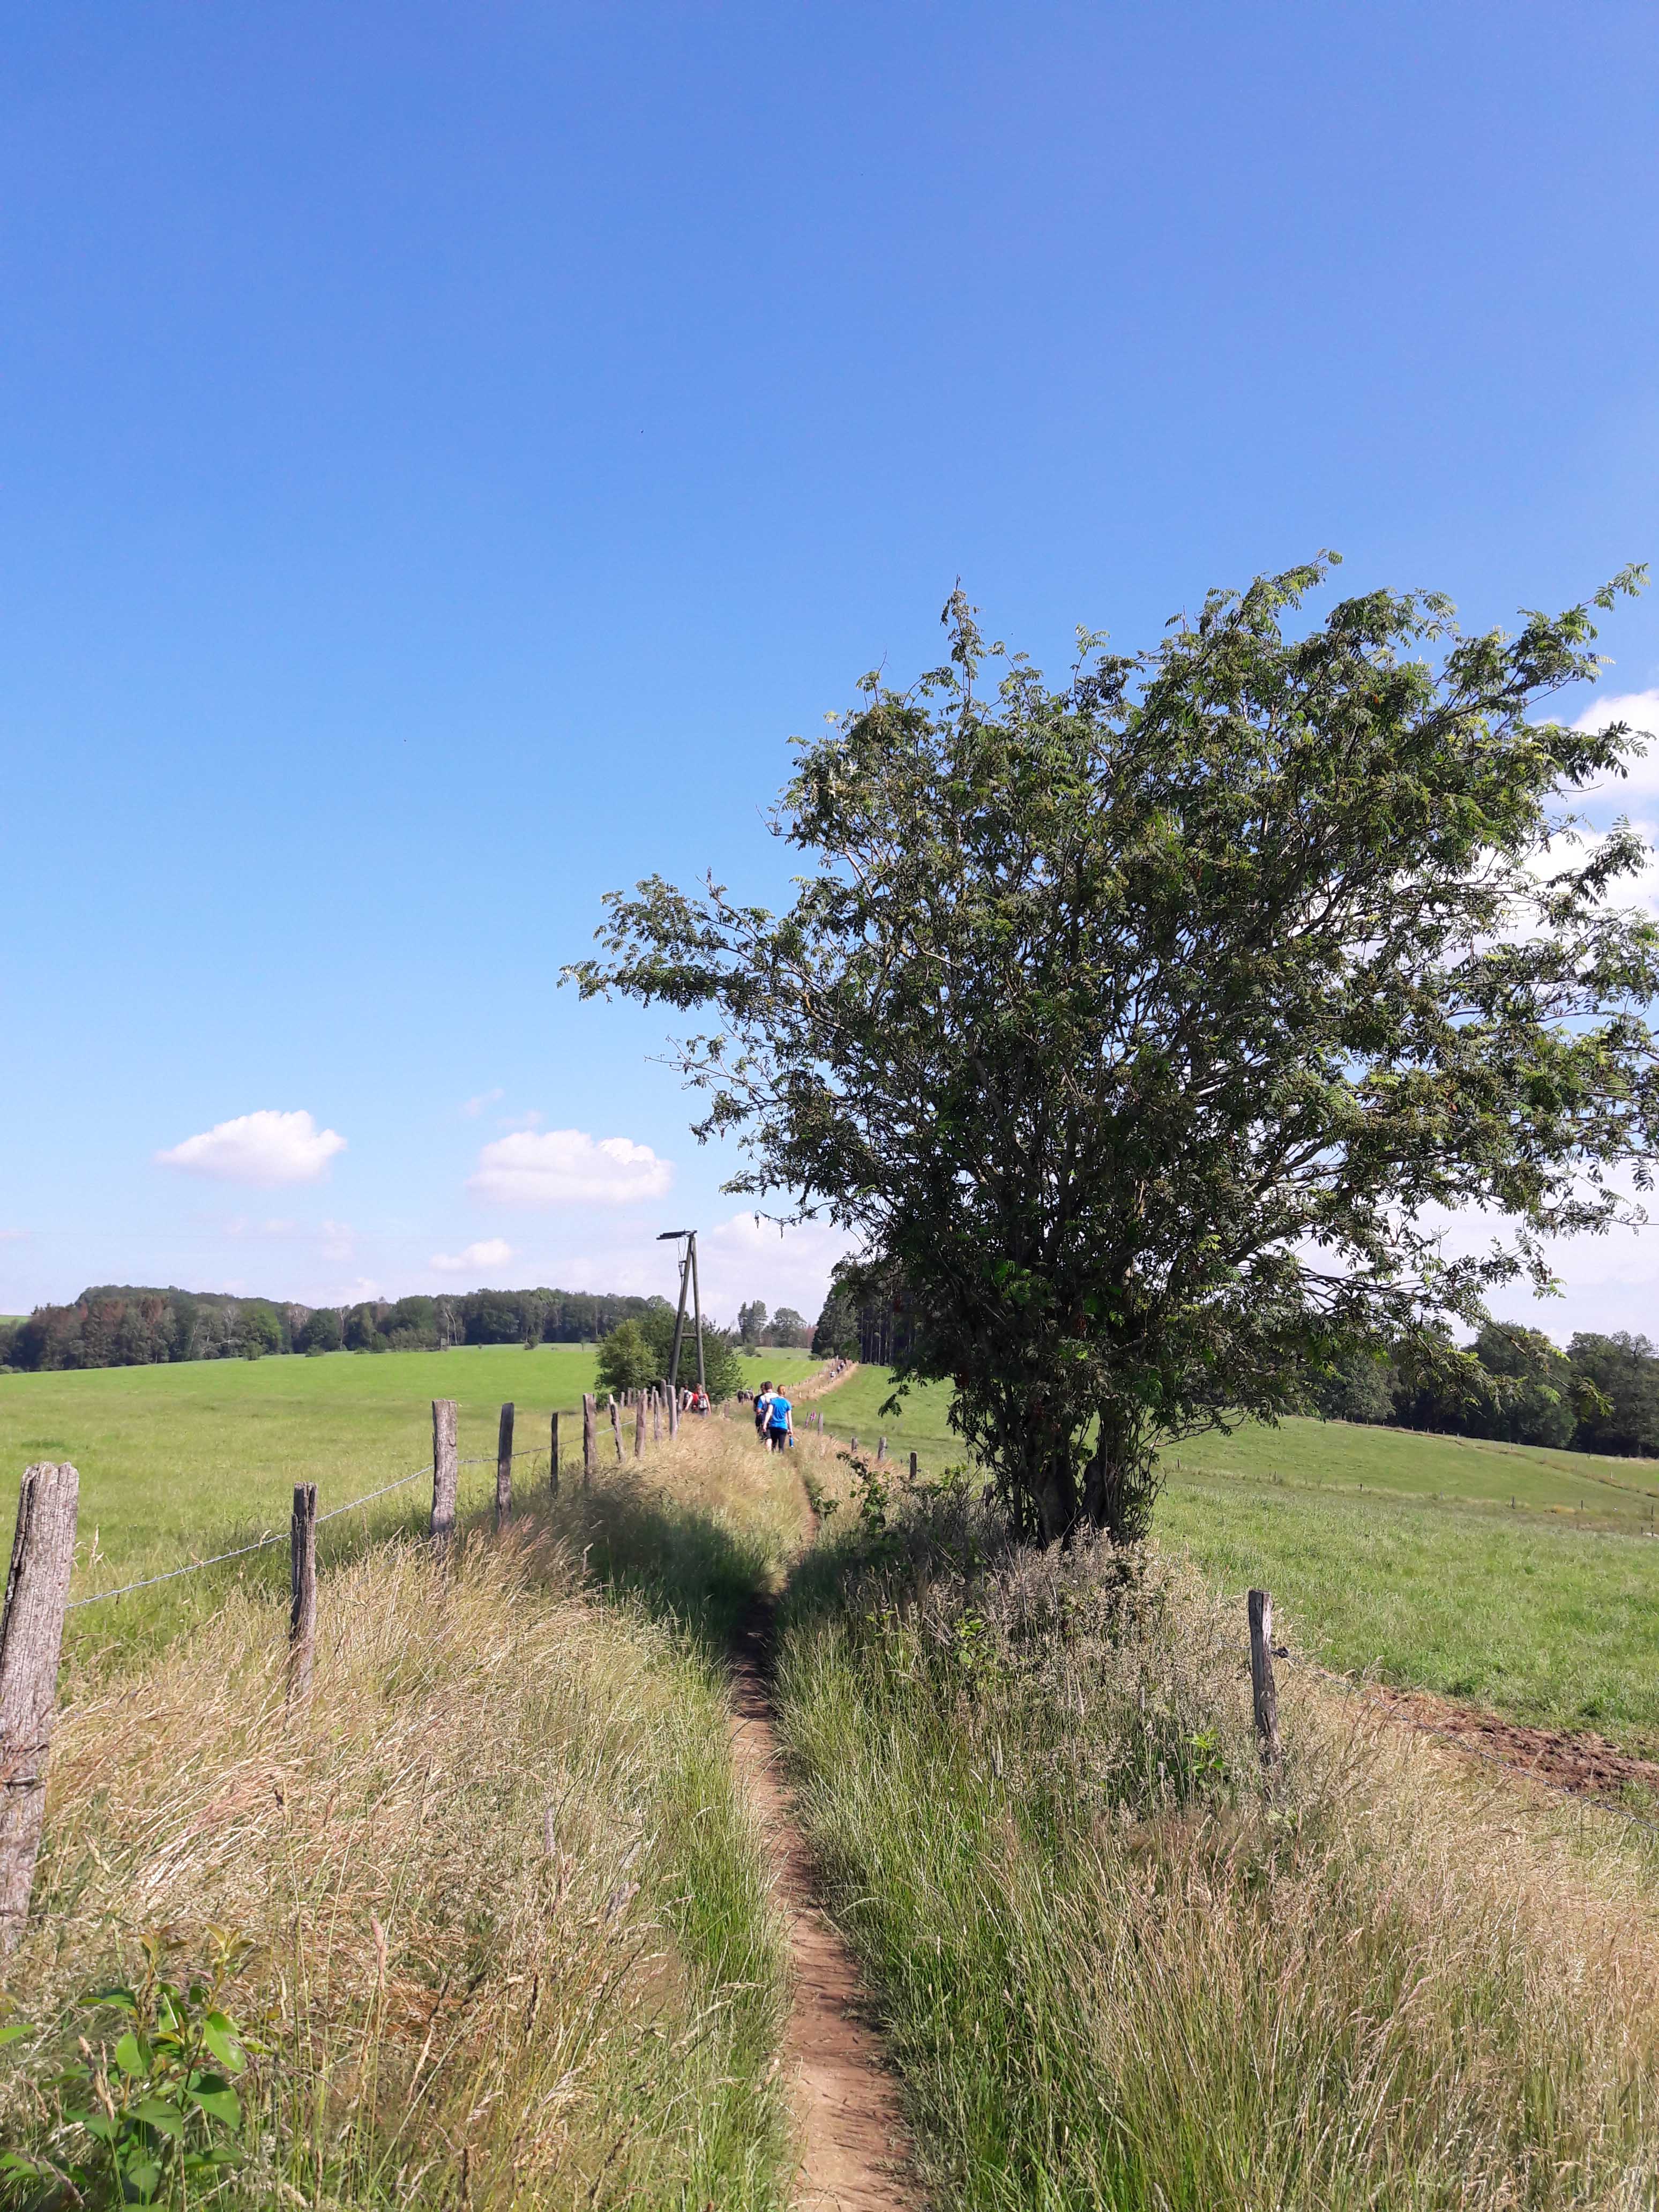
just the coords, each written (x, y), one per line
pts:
(674, 1410)
(303, 1578)
(616, 1428)
(915, 1467)
(1264, 1696)
(639, 1426)
(656, 1417)
(590, 1438)
(852, 1447)
(504, 1467)
(553, 1459)
(444, 1470)
(881, 1450)
(30, 1640)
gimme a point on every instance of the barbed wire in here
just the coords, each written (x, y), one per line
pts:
(276, 1536)
(260, 1543)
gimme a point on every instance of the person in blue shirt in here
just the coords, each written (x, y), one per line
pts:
(780, 1422)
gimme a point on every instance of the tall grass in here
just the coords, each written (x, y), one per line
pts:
(1117, 1969)
(514, 1940)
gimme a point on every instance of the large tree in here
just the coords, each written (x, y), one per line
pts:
(1146, 1029)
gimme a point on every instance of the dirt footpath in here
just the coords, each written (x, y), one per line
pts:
(854, 2155)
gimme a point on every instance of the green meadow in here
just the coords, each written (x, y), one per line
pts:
(1523, 1580)
(1520, 1579)
(180, 1462)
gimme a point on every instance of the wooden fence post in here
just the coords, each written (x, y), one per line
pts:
(444, 1470)
(616, 1428)
(30, 1640)
(915, 1466)
(303, 1578)
(674, 1410)
(639, 1426)
(852, 1447)
(553, 1459)
(656, 1417)
(504, 1467)
(1264, 1696)
(881, 1450)
(590, 1438)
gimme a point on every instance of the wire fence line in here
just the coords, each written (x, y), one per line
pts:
(280, 1535)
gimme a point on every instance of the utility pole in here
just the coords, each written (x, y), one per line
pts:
(696, 1304)
(688, 1280)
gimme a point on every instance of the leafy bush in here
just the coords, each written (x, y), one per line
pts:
(148, 2104)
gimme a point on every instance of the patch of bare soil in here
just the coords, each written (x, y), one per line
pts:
(855, 2153)
(1582, 1762)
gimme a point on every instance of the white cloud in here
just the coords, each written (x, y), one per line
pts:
(1574, 849)
(554, 1167)
(744, 1258)
(474, 1107)
(492, 1252)
(1641, 710)
(267, 1147)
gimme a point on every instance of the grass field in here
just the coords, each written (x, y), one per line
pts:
(512, 1936)
(178, 1463)
(1116, 1970)
(1386, 1550)
(1513, 1578)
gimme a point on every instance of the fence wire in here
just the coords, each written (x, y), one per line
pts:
(278, 1536)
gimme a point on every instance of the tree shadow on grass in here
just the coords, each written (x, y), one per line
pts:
(680, 1562)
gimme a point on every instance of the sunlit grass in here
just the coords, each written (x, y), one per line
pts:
(1118, 1971)
(464, 1996)
(1402, 1553)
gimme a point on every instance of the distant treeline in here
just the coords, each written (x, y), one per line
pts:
(1600, 1395)
(123, 1325)
(1512, 1384)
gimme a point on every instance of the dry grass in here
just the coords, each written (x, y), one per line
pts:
(1118, 1971)
(515, 1942)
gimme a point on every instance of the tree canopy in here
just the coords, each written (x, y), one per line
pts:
(1146, 1030)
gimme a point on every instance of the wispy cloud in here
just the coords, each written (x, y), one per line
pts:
(264, 1148)
(489, 1252)
(473, 1107)
(555, 1167)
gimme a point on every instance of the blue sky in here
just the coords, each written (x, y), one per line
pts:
(447, 451)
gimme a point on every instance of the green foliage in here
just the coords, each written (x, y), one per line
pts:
(837, 1334)
(722, 1368)
(1145, 1028)
(148, 2107)
(751, 1323)
(1619, 1411)
(628, 1360)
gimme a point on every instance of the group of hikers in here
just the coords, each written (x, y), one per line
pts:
(774, 1418)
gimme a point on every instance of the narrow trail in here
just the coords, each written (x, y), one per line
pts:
(855, 2153)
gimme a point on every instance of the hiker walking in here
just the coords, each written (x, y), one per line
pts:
(780, 1422)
